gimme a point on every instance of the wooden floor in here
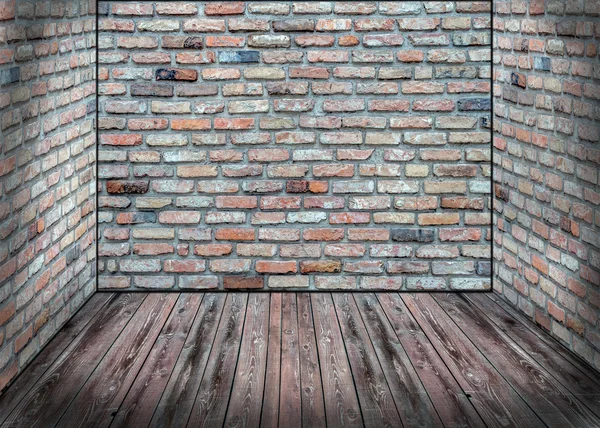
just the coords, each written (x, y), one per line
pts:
(299, 359)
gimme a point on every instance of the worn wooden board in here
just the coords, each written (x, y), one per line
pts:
(107, 387)
(45, 403)
(313, 406)
(138, 406)
(550, 400)
(51, 352)
(496, 401)
(339, 392)
(210, 405)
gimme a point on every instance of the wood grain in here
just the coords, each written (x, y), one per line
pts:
(177, 401)
(143, 397)
(410, 396)
(247, 394)
(214, 391)
(450, 401)
(376, 402)
(302, 359)
(552, 344)
(270, 407)
(51, 352)
(496, 401)
(577, 382)
(313, 406)
(290, 403)
(549, 399)
(339, 393)
(106, 388)
(45, 403)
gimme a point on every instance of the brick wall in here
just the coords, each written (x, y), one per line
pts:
(546, 163)
(259, 144)
(47, 177)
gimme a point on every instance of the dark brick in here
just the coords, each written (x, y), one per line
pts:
(296, 186)
(73, 254)
(294, 25)
(193, 43)
(239, 56)
(541, 63)
(136, 218)
(176, 74)
(10, 75)
(566, 28)
(474, 104)
(413, 235)
(151, 90)
(484, 268)
(518, 79)
(119, 186)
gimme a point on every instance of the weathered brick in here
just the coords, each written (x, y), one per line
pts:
(241, 193)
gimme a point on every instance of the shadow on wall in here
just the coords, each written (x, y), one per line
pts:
(547, 158)
(47, 172)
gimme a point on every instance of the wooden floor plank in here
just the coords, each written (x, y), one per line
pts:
(552, 344)
(313, 406)
(175, 405)
(290, 404)
(106, 388)
(302, 359)
(51, 352)
(411, 398)
(451, 403)
(246, 399)
(45, 402)
(576, 381)
(145, 393)
(496, 401)
(339, 393)
(214, 391)
(549, 399)
(270, 407)
(376, 402)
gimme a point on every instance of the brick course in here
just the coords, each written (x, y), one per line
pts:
(277, 145)
(546, 163)
(47, 172)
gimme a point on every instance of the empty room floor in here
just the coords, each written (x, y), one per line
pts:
(299, 359)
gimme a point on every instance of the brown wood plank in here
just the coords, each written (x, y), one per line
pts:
(246, 399)
(313, 406)
(51, 352)
(552, 344)
(211, 402)
(410, 396)
(341, 401)
(450, 401)
(496, 401)
(270, 408)
(145, 393)
(290, 404)
(106, 388)
(177, 400)
(45, 402)
(549, 399)
(376, 402)
(566, 373)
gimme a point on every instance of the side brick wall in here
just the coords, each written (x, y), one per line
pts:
(47, 172)
(546, 166)
(321, 145)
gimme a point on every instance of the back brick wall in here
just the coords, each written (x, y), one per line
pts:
(275, 145)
